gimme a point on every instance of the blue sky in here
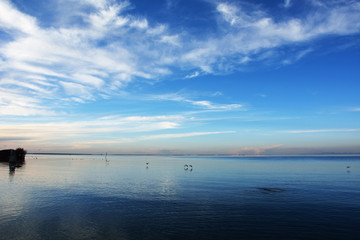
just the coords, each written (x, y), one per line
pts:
(178, 76)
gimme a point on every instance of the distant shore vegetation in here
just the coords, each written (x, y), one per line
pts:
(20, 154)
(13, 156)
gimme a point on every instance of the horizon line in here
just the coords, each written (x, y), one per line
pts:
(201, 154)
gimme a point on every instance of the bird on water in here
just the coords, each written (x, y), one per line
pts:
(188, 167)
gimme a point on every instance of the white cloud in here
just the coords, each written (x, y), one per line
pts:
(195, 74)
(140, 23)
(93, 59)
(251, 32)
(212, 106)
(173, 40)
(75, 89)
(110, 47)
(12, 19)
(85, 130)
(109, 131)
(229, 12)
(200, 103)
(297, 56)
(287, 3)
(88, 80)
(322, 130)
(26, 85)
(155, 118)
(182, 135)
(13, 102)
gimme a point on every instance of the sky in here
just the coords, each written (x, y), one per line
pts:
(247, 77)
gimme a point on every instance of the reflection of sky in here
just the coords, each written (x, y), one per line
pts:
(132, 175)
(118, 176)
(13, 202)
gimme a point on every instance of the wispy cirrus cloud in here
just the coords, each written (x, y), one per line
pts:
(82, 62)
(287, 3)
(322, 130)
(13, 19)
(13, 102)
(93, 49)
(211, 106)
(182, 135)
(204, 104)
(108, 131)
(193, 75)
(106, 127)
(252, 34)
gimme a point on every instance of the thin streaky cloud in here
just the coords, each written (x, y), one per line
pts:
(321, 130)
(182, 135)
(212, 106)
(88, 129)
(287, 3)
(205, 104)
(193, 75)
(264, 33)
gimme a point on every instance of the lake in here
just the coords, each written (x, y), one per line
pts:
(123, 197)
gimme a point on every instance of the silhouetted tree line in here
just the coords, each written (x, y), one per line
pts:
(20, 155)
(13, 156)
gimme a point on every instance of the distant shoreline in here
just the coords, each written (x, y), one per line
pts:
(202, 155)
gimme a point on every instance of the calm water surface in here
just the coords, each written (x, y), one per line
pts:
(87, 197)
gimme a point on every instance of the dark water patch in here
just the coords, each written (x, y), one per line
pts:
(86, 216)
(270, 190)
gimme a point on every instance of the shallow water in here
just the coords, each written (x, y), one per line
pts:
(87, 197)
